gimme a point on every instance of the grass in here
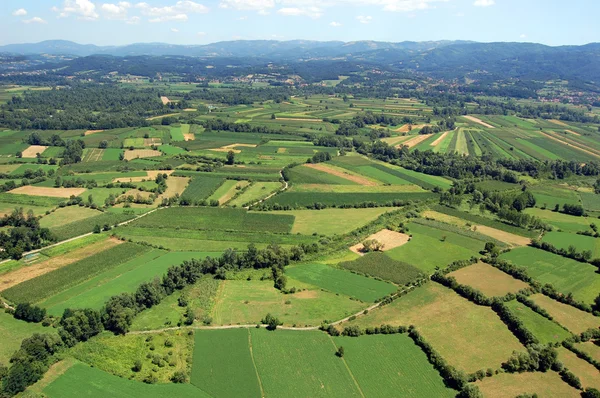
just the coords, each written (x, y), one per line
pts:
(381, 371)
(442, 248)
(468, 336)
(66, 215)
(255, 192)
(561, 221)
(300, 364)
(94, 292)
(379, 265)
(591, 348)
(201, 187)
(54, 282)
(200, 297)
(563, 240)
(575, 320)
(545, 330)
(319, 221)
(117, 354)
(509, 385)
(340, 281)
(221, 356)
(586, 372)
(13, 331)
(307, 175)
(247, 302)
(84, 381)
(304, 199)
(73, 229)
(217, 219)
(487, 279)
(568, 276)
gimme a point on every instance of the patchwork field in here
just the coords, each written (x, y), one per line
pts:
(388, 239)
(570, 317)
(586, 372)
(545, 330)
(379, 265)
(509, 385)
(487, 279)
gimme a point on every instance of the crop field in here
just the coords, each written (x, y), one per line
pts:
(255, 192)
(567, 275)
(201, 187)
(67, 215)
(510, 385)
(379, 370)
(561, 221)
(278, 353)
(488, 280)
(221, 356)
(304, 199)
(379, 265)
(319, 221)
(563, 240)
(570, 317)
(226, 191)
(545, 330)
(476, 340)
(247, 302)
(83, 380)
(442, 248)
(46, 285)
(340, 281)
(591, 348)
(87, 225)
(586, 372)
(217, 219)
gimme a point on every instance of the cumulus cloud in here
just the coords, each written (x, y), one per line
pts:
(251, 5)
(523, 36)
(116, 11)
(484, 3)
(335, 24)
(312, 12)
(174, 30)
(201, 34)
(364, 19)
(20, 12)
(178, 12)
(34, 20)
(82, 9)
(133, 20)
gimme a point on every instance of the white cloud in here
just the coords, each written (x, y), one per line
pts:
(177, 12)
(174, 30)
(133, 20)
(20, 12)
(523, 36)
(201, 34)
(82, 9)
(312, 12)
(34, 20)
(364, 19)
(335, 24)
(242, 18)
(116, 11)
(249, 5)
(484, 3)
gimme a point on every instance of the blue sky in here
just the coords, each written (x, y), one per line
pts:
(113, 22)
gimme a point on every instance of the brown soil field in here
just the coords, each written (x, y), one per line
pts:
(416, 140)
(90, 132)
(573, 132)
(489, 280)
(510, 385)
(506, 237)
(161, 116)
(189, 137)
(575, 320)
(403, 129)
(175, 185)
(165, 100)
(232, 147)
(306, 294)
(151, 175)
(587, 373)
(552, 137)
(389, 239)
(25, 273)
(558, 122)
(152, 141)
(479, 121)
(141, 153)
(440, 139)
(33, 150)
(190, 110)
(225, 150)
(47, 191)
(341, 173)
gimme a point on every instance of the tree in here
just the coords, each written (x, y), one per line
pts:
(230, 158)
(103, 144)
(591, 392)
(271, 322)
(470, 391)
(597, 303)
(273, 117)
(340, 352)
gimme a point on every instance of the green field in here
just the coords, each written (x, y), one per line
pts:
(339, 281)
(254, 193)
(300, 364)
(13, 331)
(84, 381)
(545, 330)
(561, 221)
(385, 366)
(307, 199)
(201, 187)
(380, 265)
(66, 215)
(73, 229)
(567, 276)
(220, 357)
(563, 240)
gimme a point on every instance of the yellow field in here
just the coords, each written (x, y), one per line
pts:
(46, 191)
(489, 280)
(510, 385)
(575, 320)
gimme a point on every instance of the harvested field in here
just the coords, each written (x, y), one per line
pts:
(570, 317)
(416, 140)
(13, 278)
(152, 141)
(189, 137)
(175, 186)
(574, 133)
(93, 155)
(479, 121)
(489, 280)
(439, 139)
(558, 122)
(569, 145)
(510, 385)
(338, 172)
(90, 132)
(47, 191)
(165, 100)
(403, 129)
(587, 373)
(150, 175)
(33, 150)
(389, 240)
(141, 153)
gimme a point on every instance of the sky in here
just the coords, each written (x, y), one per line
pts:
(551, 22)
